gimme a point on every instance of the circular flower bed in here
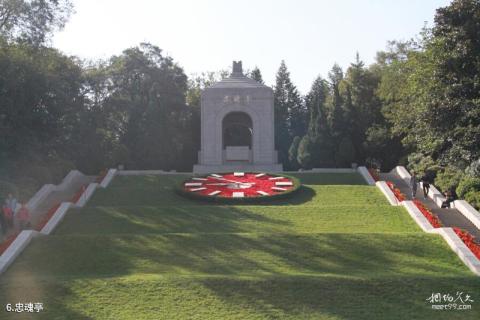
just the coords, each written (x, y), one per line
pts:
(239, 187)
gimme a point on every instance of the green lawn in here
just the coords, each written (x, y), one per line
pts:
(335, 251)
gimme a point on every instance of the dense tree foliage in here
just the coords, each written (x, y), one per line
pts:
(32, 21)
(431, 94)
(42, 96)
(418, 105)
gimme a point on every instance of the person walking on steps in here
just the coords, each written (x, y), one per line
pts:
(425, 185)
(413, 184)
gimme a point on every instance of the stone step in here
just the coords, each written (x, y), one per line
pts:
(449, 217)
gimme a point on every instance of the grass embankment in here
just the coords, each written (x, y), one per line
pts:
(335, 251)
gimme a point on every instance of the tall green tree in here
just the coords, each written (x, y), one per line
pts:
(361, 103)
(336, 114)
(432, 92)
(41, 89)
(290, 113)
(256, 75)
(455, 96)
(153, 89)
(317, 145)
(42, 92)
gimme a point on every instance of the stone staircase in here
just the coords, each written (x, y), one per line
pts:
(59, 196)
(449, 217)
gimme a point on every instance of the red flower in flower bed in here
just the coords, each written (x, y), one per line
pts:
(78, 195)
(4, 246)
(101, 176)
(433, 219)
(398, 194)
(468, 239)
(374, 174)
(47, 217)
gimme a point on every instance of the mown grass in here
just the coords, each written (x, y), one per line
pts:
(139, 251)
(238, 219)
(242, 255)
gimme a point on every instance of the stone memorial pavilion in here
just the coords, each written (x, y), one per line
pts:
(237, 126)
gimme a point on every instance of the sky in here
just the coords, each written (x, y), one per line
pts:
(207, 35)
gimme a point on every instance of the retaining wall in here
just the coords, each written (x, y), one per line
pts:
(383, 186)
(468, 211)
(17, 246)
(366, 175)
(417, 216)
(72, 178)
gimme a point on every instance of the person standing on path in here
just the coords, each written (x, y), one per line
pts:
(413, 184)
(425, 185)
(3, 221)
(11, 202)
(8, 215)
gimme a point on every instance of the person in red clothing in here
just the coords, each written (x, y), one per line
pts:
(8, 216)
(23, 217)
(3, 222)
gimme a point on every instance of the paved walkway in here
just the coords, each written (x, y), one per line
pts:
(448, 217)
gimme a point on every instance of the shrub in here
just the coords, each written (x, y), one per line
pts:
(372, 163)
(6, 188)
(467, 185)
(449, 178)
(473, 197)
(423, 165)
(293, 153)
(345, 154)
(41, 174)
(304, 156)
(59, 168)
(120, 155)
(474, 169)
(26, 187)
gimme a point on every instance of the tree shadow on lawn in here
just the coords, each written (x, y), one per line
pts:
(341, 254)
(188, 216)
(235, 254)
(344, 298)
(300, 275)
(181, 219)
